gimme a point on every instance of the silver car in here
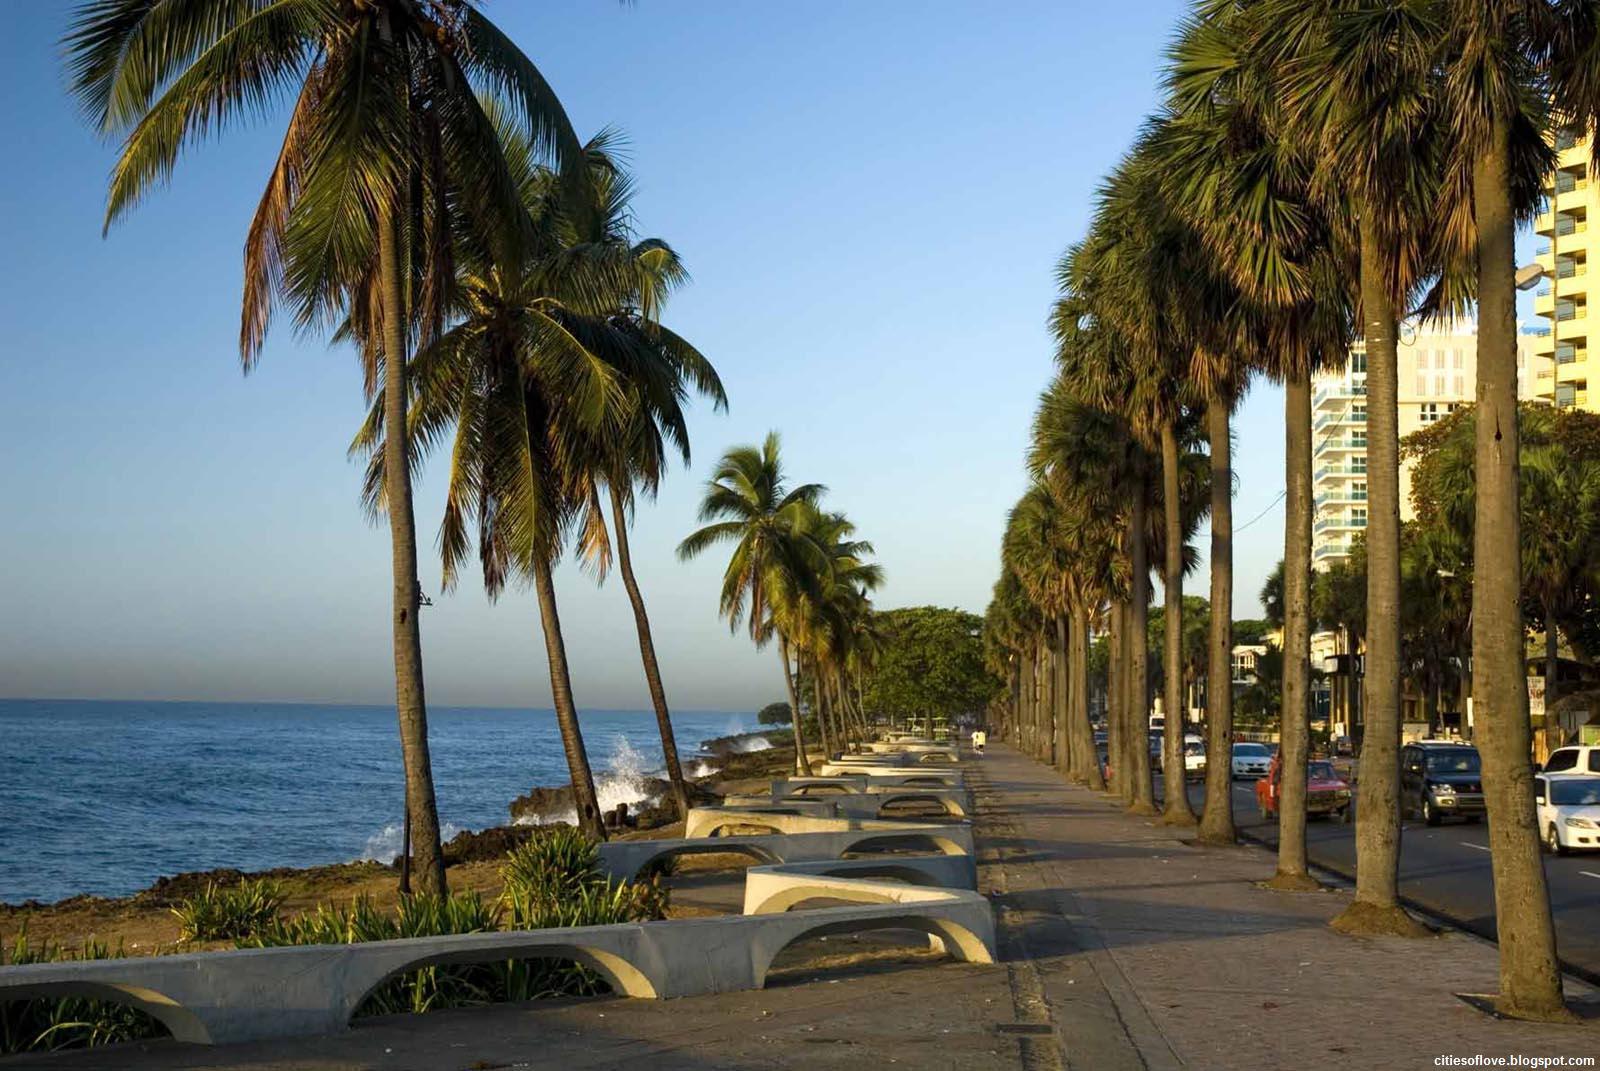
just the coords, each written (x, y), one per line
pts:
(1251, 760)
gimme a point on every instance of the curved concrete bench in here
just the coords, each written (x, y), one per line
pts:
(860, 804)
(824, 817)
(627, 859)
(257, 994)
(860, 781)
(779, 887)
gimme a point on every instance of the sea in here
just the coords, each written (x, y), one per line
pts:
(104, 797)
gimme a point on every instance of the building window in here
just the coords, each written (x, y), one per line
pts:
(1430, 412)
(1358, 413)
(1358, 363)
(1438, 386)
(1359, 464)
(1358, 491)
(1455, 359)
(1422, 384)
(1358, 439)
(1358, 518)
(1456, 387)
(1566, 394)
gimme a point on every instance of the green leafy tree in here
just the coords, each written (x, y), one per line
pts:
(930, 661)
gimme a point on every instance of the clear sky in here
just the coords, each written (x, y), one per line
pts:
(871, 199)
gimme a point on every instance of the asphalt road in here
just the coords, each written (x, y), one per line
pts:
(1445, 870)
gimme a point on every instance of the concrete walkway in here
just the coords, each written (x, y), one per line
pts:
(1123, 948)
(1145, 952)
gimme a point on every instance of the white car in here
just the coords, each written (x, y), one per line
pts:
(1194, 757)
(1568, 806)
(1251, 760)
(1580, 758)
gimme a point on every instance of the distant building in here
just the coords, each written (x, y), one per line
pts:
(1246, 656)
(1567, 246)
(1437, 373)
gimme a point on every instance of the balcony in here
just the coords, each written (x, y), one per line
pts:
(1343, 524)
(1338, 472)
(1328, 420)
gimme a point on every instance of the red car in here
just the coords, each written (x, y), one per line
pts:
(1326, 792)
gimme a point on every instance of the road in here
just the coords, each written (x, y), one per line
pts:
(1445, 870)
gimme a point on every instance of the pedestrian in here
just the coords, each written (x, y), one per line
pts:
(979, 738)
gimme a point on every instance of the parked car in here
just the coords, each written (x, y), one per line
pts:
(1568, 805)
(1583, 758)
(1251, 760)
(1439, 779)
(1194, 758)
(1326, 792)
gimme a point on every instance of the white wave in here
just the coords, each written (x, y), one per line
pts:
(702, 769)
(384, 845)
(624, 780)
(746, 744)
(569, 817)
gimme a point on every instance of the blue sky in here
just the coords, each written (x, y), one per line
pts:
(871, 199)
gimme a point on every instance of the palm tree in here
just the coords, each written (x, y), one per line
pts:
(631, 454)
(540, 378)
(1355, 81)
(387, 129)
(1251, 193)
(749, 504)
(1511, 66)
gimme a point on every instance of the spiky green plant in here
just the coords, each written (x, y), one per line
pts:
(49, 1024)
(228, 912)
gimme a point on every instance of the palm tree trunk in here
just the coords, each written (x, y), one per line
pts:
(818, 706)
(422, 811)
(1087, 765)
(1024, 693)
(585, 801)
(647, 654)
(1115, 699)
(1062, 679)
(802, 761)
(1530, 980)
(1216, 820)
(1551, 647)
(1144, 794)
(1294, 729)
(1177, 811)
(1376, 907)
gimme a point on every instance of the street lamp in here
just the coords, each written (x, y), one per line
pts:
(1528, 276)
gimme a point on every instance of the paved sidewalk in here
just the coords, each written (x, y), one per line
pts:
(1149, 953)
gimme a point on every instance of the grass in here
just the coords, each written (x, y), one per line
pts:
(229, 913)
(48, 1024)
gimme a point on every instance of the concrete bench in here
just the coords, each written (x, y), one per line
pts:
(953, 802)
(627, 859)
(258, 994)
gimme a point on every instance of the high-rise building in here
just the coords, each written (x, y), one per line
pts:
(1437, 373)
(1566, 247)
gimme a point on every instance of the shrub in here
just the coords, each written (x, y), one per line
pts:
(228, 913)
(53, 1023)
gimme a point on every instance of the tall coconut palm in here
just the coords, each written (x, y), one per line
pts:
(749, 504)
(630, 454)
(386, 130)
(540, 369)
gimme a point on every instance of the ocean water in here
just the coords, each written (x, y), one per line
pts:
(105, 797)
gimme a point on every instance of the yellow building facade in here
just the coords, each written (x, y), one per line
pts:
(1567, 226)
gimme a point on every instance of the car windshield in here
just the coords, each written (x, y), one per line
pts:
(1453, 760)
(1320, 771)
(1580, 793)
(1192, 748)
(1250, 750)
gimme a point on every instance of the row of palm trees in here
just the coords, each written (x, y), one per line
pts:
(432, 206)
(797, 574)
(1319, 171)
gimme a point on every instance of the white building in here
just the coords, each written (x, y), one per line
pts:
(1437, 373)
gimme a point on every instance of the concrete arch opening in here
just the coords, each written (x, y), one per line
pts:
(661, 861)
(918, 805)
(904, 843)
(512, 975)
(158, 1014)
(938, 935)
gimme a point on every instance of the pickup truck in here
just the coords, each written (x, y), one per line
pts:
(1326, 792)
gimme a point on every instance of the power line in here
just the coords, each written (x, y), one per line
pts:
(1241, 527)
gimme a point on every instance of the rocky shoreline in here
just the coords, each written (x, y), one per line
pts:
(721, 761)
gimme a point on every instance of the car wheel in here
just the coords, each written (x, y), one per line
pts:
(1552, 841)
(1429, 815)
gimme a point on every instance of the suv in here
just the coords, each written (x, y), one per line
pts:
(1584, 758)
(1440, 778)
